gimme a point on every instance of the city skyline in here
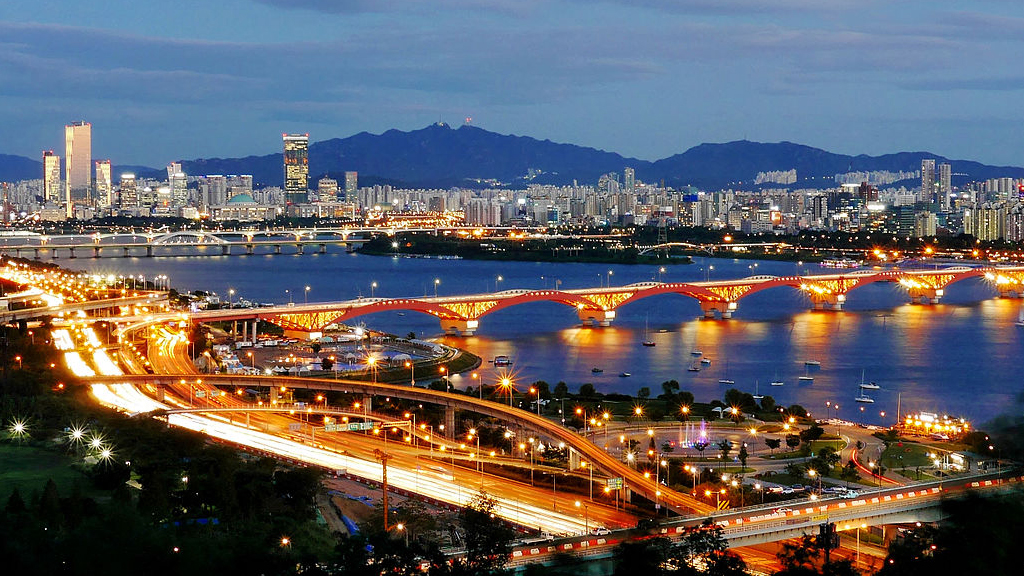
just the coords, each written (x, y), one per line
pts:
(677, 75)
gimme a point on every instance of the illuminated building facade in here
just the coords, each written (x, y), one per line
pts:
(77, 164)
(296, 167)
(104, 183)
(51, 176)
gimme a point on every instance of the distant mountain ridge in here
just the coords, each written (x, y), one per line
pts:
(441, 156)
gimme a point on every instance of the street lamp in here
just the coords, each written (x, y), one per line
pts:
(444, 376)
(401, 528)
(371, 364)
(305, 295)
(586, 517)
(436, 282)
(412, 377)
(373, 286)
(509, 387)
(231, 294)
(536, 390)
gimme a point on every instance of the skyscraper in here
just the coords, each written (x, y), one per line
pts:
(945, 185)
(296, 167)
(629, 175)
(51, 176)
(104, 183)
(179, 188)
(172, 169)
(351, 186)
(927, 180)
(129, 192)
(77, 164)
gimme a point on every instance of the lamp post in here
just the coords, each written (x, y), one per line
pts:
(412, 377)
(444, 376)
(371, 364)
(509, 387)
(586, 517)
(759, 488)
(536, 390)
(231, 294)
(497, 281)
(436, 282)
(305, 295)
(373, 287)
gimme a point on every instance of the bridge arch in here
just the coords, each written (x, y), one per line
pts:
(196, 236)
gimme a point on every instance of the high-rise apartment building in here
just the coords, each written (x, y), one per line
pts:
(179, 189)
(296, 167)
(77, 164)
(629, 176)
(351, 186)
(104, 183)
(51, 176)
(327, 190)
(172, 169)
(946, 186)
(129, 195)
(927, 180)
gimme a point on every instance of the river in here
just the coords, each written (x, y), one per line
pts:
(960, 357)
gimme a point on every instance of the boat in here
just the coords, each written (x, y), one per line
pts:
(624, 374)
(596, 370)
(757, 394)
(806, 379)
(502, 360)
(694, 367)
(864, 399)
(812, 363)
(696, 353)
(840, 263)
(776, 381)
(1020, 318)
(647, 340)
(868, 385)
(727, 381)
(705, 361)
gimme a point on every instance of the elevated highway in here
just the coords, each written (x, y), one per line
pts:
(633, 480)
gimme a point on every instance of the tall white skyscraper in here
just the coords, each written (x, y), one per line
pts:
(51, 176)
(629, 175)
(104, 183)
(946, 186)
(927, 180)
(77, 164)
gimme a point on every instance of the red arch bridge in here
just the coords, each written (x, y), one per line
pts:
(598, 306)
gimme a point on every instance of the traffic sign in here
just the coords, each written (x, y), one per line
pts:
(614, 483)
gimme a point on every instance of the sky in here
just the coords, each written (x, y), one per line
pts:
(163, 81)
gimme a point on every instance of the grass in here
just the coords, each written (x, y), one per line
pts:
(815, 446)
(27, 468)
(913, 455)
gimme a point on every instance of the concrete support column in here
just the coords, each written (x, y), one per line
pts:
(455, 327)
(368, 403)
(53, 252)
(72, 253)
(160, 393)
(449, 421)
(574, 459)
(927, 295)
(225, 250)
(591, 317)
(277, 248)
(127, 252)
(273, 394)
(245, 329)
(828, 301)
(250, 249)
(37, 253)
(149, 251)
(254, 324)
(96, 252)
(323, 248)
(349, 247)
(300, 248)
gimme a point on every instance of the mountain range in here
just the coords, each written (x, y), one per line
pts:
(442, 156)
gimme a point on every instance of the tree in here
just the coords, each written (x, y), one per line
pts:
(773, 443)
(811, 434)
(669, 389)
(561, 390)
(792, 440)
(643, 393)
(768, 404)
(587, 390)
(797, 410)
(795, 469)
(725, 446)
(743, 455)
(805, 559)
(315, 347)
(701, 447)
(488, 540)
(849, 472)
(326, 363)
(642, 556)
(706, 551)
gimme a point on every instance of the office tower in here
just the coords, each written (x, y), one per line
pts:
(351, 186)
(129, 196)
(172, 169)
(104, 183)
(927, 180)
(51, 176)
(178, 189)
(213, 190)
(629, 176)
(327, 190)
(296, 167)
(77, 164)
(945, 185)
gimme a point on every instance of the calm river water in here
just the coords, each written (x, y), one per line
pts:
(961, 357)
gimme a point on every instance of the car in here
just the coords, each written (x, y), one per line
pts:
(782, 510)
(851, 494)
(601, 531)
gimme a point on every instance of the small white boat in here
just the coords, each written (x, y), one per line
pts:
(812, 363)
(806, 379)
(624, 375)
(1020, 318)
(705, 361)
(757, 394)
(696, 353)
(778, 383)
(870, 386)
(694, 368)
(865, 399)
(727, 382)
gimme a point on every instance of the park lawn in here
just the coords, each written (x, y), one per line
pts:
(913, 455)
(815, 446)
(28, 468)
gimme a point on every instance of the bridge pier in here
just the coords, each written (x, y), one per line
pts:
(37, 253)
(72, 253)
(1016, 293)
(127, 252)
(53, 253)
(300, 249)
(250, 249)
(277, 248)
(323, 248)
(932, 295)
(96, 252)
(595, 317)
(723, 308)
(828, 301)
(149, 251)
(225, 250)
(350, 247)
(455, 327)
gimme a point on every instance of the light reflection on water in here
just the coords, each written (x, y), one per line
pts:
(960, 356)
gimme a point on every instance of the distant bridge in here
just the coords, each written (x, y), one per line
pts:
(598, 306)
